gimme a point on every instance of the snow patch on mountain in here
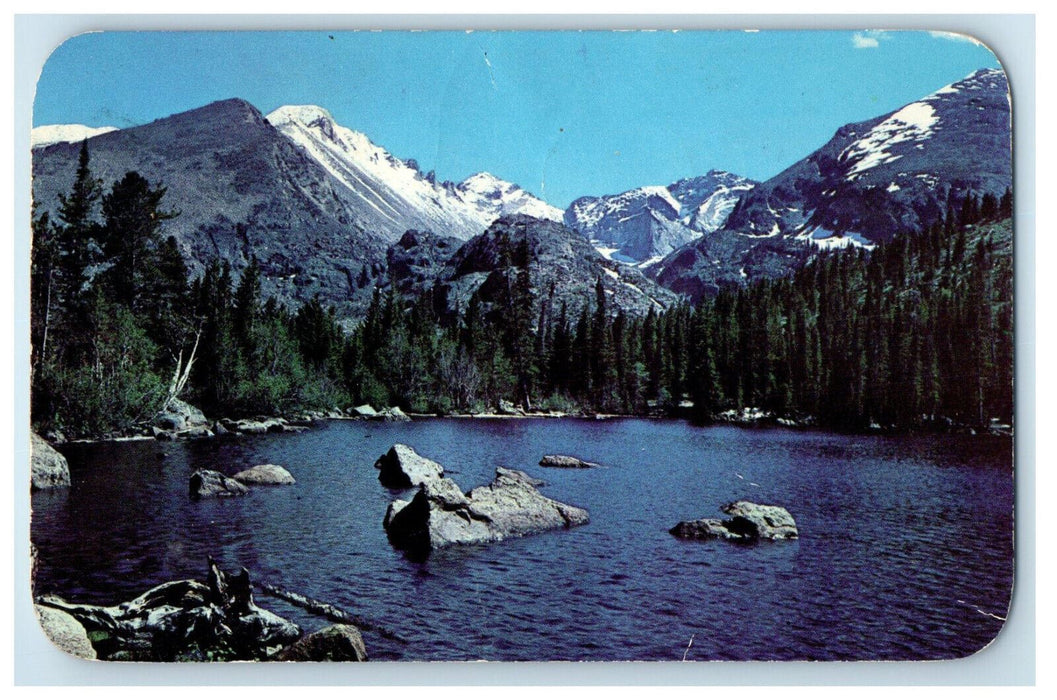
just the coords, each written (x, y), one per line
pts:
(65, 133)
(714, 211)
(913, 123)
(647, 223)
(825, 239)
(396, 189)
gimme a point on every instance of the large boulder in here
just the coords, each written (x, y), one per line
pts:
(184, 620)
(47, 468)
(401, 468)
(333, 643)
(365, 411)
(265, 475)
(65, 632)
(565, 462)
(206, 483)
(179, 416)
(440, 514)
(393, 415)
(748, 522)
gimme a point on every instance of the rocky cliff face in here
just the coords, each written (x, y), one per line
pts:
(562, 268)
(647, 223)
(874, 180)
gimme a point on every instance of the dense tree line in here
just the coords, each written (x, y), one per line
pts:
(116, 320)
(912, 333)
(915, 330)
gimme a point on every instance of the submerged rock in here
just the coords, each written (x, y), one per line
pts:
(206, 483)
(401, 468)
(265, 475)
(440, 514)
(565, 462)
(333, 643)
(47, 467)
(184, 620)
(748, 522)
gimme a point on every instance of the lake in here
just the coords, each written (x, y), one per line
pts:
(905, 549)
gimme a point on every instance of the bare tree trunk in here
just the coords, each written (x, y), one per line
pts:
(182, 372)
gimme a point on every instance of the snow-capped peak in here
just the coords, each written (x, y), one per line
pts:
(983, 79)
(65, 133)
(395, 189)
(485, 190)
(305, 115)
(484, 183)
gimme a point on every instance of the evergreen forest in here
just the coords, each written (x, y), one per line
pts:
(914, 334)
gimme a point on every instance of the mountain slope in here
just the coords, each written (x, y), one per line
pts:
(395, 196)
(892, 174)
(242, 189)
(562, 266)
(874, 180)
(647, 223)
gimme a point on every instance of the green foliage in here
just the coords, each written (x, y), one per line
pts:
(916, 330)
(118, 389)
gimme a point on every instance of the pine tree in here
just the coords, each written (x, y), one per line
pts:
(132, 219)
(76, 239)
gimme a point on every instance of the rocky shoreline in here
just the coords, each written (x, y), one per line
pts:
(191, 620)
(182, 421)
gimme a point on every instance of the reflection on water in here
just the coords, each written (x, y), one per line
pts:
(906, 548)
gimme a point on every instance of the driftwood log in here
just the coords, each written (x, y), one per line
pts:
(330, 612)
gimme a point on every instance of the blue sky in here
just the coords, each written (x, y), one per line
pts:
(564, 114)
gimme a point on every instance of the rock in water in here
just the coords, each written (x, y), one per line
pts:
(761, 521)
(565, 462)
(65, 632)
(748, 522)
(440, 514)
(333, 643)
(206, 483)
(265, 475)
(48, 468)
(401, 468)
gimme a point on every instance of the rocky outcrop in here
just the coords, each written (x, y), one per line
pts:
(47, 468)
(265, 475)
(184, 620)
(401, 468)
(179, 416)
(565, 462)
(440, 514)
(65, 632)
(393, 415)
(206, 483)
(748, 522)
(333, 643)
(365, 411)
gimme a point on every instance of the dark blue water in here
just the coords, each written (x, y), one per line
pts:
(905, 549)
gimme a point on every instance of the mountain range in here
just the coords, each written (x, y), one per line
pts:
(327, 212)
